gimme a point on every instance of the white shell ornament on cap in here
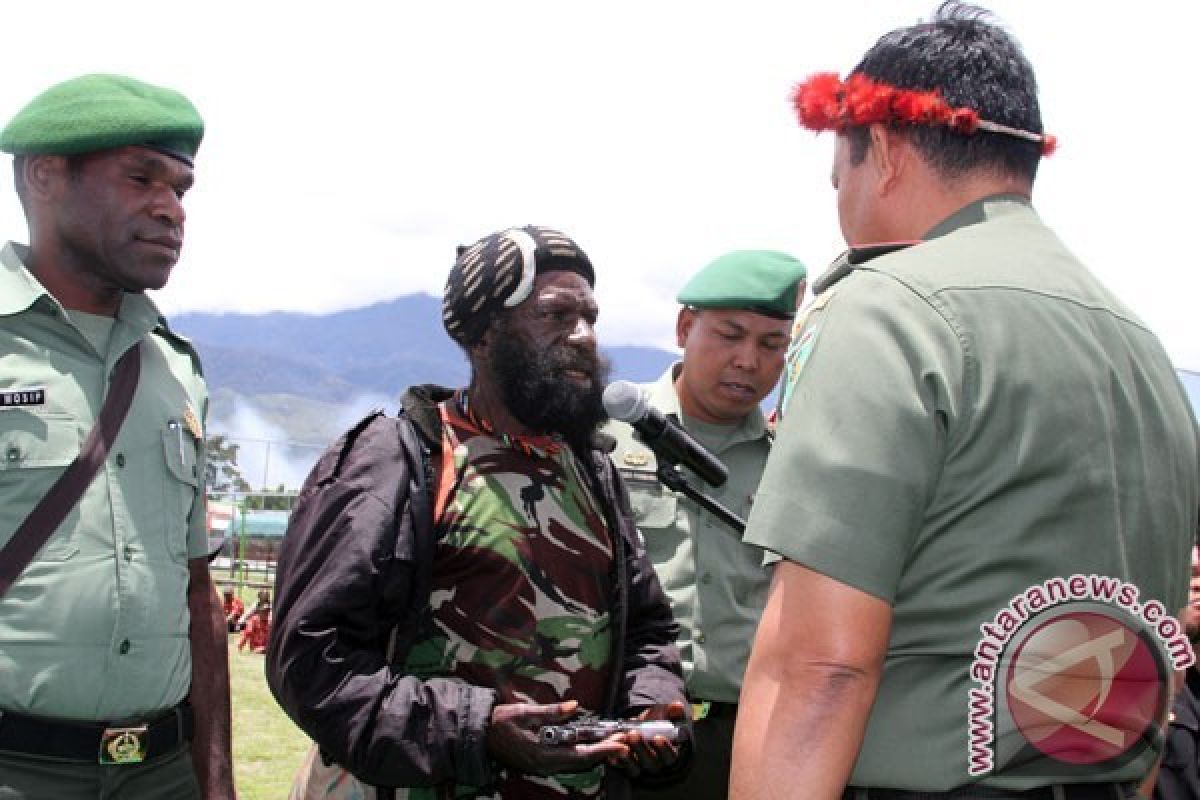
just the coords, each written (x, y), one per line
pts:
(528, 248)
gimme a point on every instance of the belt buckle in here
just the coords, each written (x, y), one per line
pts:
(123, 745)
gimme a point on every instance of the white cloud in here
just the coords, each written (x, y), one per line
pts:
(264, 458)
(351, 146)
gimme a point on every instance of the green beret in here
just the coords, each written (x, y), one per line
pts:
(764, 281)
(100, 112)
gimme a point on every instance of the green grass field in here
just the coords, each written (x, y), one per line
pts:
(267, 747)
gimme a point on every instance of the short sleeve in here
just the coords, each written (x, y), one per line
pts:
(859, 453)
(197, 522)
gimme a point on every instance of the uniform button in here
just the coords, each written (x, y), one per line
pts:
(706, 577)
(124, 648)
(699, 638)
(128, 553)
(120, 459)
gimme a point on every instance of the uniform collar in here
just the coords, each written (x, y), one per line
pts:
(844, 264)
(663, 397)
(20, 290)
(139, 312)
(983, 209)
(662, 391)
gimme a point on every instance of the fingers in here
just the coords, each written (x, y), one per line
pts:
(676, 710)
(646, 755)
(530, 715)
(580, 757)
(612, 748)
(673, 711)
(513, 740)
(653, 753)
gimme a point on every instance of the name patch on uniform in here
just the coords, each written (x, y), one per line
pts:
(20, 398)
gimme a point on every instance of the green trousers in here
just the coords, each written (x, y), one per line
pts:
(168, 778)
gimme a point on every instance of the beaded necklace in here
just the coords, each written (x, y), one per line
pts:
(541, 445)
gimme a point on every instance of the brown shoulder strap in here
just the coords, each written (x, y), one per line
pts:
(54, 506)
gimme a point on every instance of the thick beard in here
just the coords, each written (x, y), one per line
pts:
(537, 391)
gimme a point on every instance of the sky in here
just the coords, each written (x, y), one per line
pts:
(352, 145)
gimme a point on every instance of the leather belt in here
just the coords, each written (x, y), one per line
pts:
(124, 742)
(1067, 791)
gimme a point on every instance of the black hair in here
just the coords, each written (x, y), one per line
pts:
(974, 63)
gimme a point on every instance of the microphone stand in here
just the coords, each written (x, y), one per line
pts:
(673, 479)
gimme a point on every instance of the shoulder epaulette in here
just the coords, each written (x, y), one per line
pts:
(180, 343)
(854, 257)
(838, 270)
(867, 252)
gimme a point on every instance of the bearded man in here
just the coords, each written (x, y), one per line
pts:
(456, 578)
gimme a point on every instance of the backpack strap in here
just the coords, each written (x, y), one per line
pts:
(423, 461)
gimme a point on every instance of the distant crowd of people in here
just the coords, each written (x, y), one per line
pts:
(254, 625)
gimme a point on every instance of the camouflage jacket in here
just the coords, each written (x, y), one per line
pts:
(353, 576)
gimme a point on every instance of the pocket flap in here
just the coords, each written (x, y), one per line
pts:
(180, 451)
(653, 505)
(29, 440)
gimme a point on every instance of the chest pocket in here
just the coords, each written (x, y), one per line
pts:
(654, 506)
(180, 484)
(35, 448)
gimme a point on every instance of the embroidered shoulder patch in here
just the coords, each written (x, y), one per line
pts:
(797, 355)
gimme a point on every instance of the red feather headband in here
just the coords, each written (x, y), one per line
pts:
(824, 102)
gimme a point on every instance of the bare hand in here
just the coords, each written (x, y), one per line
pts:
(512, 739)
(651, 755)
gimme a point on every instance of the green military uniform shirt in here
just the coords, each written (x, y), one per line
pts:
(96, 627)
(979, 415)
(717, 584)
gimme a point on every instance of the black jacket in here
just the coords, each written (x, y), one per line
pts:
(1179, 772)
(353, 577)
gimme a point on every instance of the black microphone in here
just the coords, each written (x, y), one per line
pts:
(666, 437)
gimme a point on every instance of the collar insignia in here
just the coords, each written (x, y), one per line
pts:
(635, 459)
(192, 423)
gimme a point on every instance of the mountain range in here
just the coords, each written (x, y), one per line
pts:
(285, 384)
(298, 380)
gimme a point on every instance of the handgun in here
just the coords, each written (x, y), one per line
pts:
(583, 731)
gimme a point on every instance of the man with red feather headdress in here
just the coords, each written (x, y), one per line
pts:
(983, 424)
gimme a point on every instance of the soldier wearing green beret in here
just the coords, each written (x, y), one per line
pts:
(733, 328)
(112, 625)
